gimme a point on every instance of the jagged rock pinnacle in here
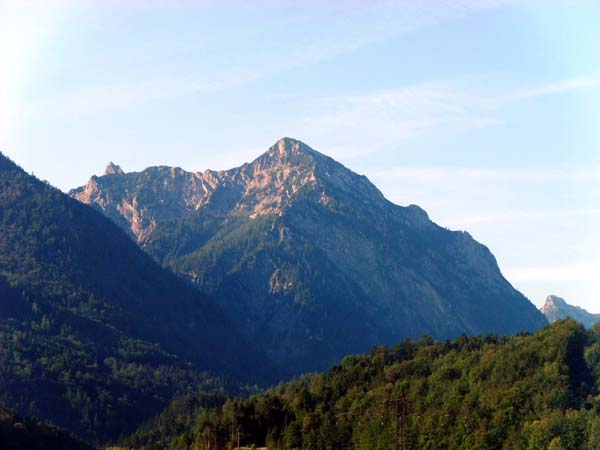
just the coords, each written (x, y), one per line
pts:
(112, 169)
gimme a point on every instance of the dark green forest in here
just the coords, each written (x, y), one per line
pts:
(18, 433)
(532, 392)
(94, 335)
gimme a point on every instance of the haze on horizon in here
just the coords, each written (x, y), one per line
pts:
(484, 113)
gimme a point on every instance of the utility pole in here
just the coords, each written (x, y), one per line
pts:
(400, 410)
(401, 413)
(397, 447)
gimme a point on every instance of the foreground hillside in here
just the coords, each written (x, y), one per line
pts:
(309, 258)
(18, 433)
(532, 392)
(94, 335)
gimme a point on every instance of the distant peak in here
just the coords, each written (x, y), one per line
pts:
(555, 300)
(552, 303)
(112, 169)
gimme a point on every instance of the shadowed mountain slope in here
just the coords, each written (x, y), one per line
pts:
(95, 335)
(18, 433)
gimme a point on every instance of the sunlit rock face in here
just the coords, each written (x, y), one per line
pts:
(556, 308)
(309, 257)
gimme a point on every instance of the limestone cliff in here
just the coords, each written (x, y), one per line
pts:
(309, 257)
(556, 308)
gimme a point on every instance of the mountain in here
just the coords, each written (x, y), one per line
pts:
(309, 258)
(525, 392)
(18, 433)
(557, 308)
(95, 335)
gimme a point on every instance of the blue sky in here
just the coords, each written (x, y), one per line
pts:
(486, 113)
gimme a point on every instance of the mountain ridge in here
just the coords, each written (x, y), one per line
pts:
(278, 174)
(294, 240)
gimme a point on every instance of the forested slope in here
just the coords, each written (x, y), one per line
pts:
(94, 335)
(18, 433)
(535, 391)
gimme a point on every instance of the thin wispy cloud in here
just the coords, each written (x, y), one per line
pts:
(395, 115)
(520, 216)
(123, 96)
(421, 109)
(564, 86)
(383, 20)
(473, 175)
(437, 186)
(577, 272)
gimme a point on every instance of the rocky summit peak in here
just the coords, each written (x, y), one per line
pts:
(552, 303)
(290, 152)
(112, 169)
(288, 146)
